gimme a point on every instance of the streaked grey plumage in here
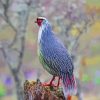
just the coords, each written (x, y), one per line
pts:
(55, 57)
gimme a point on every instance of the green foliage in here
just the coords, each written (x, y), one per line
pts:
(85, 78)
(2, 90)
(93, 3)
(97, 80)
(96, 48)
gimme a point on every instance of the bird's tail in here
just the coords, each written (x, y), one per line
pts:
(69, 85)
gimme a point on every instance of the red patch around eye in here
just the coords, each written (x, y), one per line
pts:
(39, 21)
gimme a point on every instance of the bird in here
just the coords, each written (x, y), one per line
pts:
(55, 58)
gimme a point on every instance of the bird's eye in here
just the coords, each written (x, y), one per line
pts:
(39, 20)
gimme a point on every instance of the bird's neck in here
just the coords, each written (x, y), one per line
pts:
(45, 32)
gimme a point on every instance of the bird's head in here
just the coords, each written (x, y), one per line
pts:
(45, 27)
(40, 20)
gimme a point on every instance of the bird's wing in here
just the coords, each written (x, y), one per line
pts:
(58, 58)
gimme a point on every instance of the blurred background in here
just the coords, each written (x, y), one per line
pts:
(75, 22)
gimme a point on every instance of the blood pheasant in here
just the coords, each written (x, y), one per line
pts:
(55, 58)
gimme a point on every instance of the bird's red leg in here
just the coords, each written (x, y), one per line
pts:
(52, 80)
(69, 97)
(50, 83)
(58, 82)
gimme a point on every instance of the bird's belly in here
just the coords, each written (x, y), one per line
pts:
(52, 72)
(45, 65)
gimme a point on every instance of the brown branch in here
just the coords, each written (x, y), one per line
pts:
(19, 36)
(21, 53)
(6, 58)
(82, 31)
(6, 17)
(22, 28)
(25, 24)
(28, 2)
(20, 31)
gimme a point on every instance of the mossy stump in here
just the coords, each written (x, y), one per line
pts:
(36, 91)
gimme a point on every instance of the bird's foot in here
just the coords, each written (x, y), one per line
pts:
(69, 97)
(48, 84)
(51, 82)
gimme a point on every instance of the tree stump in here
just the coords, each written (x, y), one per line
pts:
(36, 91)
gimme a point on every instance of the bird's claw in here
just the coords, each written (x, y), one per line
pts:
(69, 97)
(48, 84)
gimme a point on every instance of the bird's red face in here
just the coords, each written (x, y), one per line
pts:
(39, 21)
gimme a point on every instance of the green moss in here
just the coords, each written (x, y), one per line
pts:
(85, 78)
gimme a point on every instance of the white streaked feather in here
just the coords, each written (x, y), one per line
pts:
(42, 18)
(45, 23)
(40, 29)
(40, 33)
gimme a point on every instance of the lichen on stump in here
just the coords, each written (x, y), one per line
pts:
(36, 91)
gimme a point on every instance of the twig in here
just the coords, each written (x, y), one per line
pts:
(5, 7)
(6, 58)
(21, 54)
